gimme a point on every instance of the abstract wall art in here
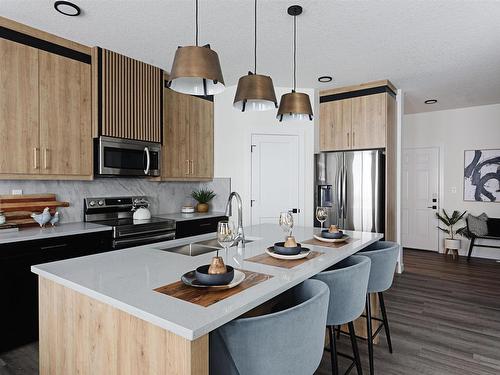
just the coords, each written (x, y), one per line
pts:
(482, 175)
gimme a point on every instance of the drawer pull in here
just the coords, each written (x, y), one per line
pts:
(53, 246)
(205, 224)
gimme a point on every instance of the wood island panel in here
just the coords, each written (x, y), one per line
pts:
(80, 335)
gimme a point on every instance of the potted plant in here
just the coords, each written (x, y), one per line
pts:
(450, 221)
(203, 197)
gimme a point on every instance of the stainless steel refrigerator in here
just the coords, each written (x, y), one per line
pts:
(351, 185)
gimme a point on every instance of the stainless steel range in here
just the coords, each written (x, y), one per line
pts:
(117, 212)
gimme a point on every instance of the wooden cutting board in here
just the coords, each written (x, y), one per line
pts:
(18, 208)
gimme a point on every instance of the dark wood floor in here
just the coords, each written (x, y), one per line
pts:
(444, 317)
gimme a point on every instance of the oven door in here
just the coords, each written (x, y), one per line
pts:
(125, 157)
(122, 243)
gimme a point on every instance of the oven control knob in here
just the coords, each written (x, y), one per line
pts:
(101, 203)
(92, 203)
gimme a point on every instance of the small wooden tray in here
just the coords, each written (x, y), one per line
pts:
(333, 245)
(270, 261)
(205, 298)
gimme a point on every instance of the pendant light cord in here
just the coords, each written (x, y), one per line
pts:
(255, 39)
(294, 53)
(196, 21)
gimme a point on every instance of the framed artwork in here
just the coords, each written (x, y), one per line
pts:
(482, 175)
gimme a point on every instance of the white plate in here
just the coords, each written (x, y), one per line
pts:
(303, 254)
(323, 239)
(190, 279)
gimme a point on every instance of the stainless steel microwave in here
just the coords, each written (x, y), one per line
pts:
(126, 157)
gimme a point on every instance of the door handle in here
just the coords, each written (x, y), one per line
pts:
(433, 207)
(45, 158)
(35, 157)
(148, 160)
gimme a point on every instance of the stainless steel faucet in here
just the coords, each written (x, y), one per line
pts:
(240, 239)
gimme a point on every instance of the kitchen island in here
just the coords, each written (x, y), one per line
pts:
(100, 314)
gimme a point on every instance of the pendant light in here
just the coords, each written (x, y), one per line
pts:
(295, 105)
(255, 92)
(196, 70)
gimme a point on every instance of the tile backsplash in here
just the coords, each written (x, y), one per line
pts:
(165, 197)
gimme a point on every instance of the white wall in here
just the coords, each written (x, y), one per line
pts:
(455, 131)
(232, 134)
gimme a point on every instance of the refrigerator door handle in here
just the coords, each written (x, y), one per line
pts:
(344, 190)
(339, 194)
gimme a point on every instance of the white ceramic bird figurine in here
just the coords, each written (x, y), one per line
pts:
(55, 219)
(42, 218)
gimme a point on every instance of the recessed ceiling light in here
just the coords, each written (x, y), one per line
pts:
(431, 101)
(325, 79)
(67, 8)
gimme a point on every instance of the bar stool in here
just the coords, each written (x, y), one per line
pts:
(289, 341)
(384, 255)
(348, 282)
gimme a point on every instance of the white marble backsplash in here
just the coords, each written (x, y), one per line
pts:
(165, 197)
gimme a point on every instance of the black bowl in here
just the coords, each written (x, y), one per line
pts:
(332, 236)
(205, 278)
(279, 247)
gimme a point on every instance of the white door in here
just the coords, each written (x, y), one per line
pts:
(277, 166)
(419, 198)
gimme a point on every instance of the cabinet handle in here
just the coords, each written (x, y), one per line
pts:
(45, 158)
(187, 165)
(191, 163)
(53, 246)
(353, 139)
(35, 157)
(348, 139)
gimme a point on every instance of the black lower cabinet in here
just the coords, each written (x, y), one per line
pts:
(188, 228)
(19, 286)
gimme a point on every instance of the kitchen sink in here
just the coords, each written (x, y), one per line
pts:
(196, 248)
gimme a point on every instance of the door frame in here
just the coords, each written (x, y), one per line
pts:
(440, 189)
(299, 133)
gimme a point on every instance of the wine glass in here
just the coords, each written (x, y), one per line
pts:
(321, 215)
(225, 235)
(286, 222)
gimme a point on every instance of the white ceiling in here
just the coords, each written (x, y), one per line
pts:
(448, 50)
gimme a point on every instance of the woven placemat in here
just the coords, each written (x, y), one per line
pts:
(284, 263)
(204, 297)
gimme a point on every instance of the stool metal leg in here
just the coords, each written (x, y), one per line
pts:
(386, 322)
(369, 333)
(333, 351)
(357, 358)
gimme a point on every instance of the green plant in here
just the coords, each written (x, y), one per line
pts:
(450, 221)
(203, 195)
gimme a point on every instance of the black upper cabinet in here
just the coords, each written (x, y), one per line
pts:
(19, 286)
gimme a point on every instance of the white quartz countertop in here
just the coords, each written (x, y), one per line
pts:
(125, 279)
(64, 229)
(178, 216)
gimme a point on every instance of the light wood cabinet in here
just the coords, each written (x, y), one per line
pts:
(335, 125)
(18, 109)
(356, 117)
(65, 115)
(369, 117)
(128, 97)
(45, 105)
(188, 137)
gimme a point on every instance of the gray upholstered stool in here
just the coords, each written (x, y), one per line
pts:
(289, 341)
(384, 255)
(348, 282)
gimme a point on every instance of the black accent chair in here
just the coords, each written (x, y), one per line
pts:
(493, 234)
